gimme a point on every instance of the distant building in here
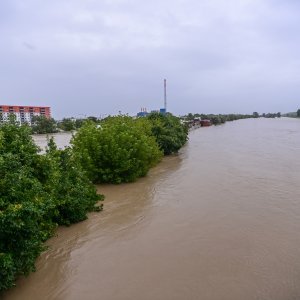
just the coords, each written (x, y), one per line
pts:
(23, 114)
(142, 113)
(163, 111)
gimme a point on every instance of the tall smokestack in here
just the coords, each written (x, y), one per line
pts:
(165, 94)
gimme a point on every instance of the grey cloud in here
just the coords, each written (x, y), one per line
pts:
(98, 57)
(29, 46)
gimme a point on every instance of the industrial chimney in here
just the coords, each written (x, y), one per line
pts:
(165, 95)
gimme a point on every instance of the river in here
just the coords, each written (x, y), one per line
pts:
(218, 221)
(62, 139)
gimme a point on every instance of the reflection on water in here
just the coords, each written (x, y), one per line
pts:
(221, 220)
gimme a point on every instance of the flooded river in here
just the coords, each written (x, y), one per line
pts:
(61, 139)
(218, 221)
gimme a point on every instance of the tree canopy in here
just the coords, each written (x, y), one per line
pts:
(37, 193)
(67, 124)
(168, 131)
(120, 149)
(42, 124)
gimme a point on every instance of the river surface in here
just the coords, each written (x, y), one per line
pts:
(218, 221)
(62, 139)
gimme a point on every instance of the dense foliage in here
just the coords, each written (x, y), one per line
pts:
(37, 192)
(42, 124)
(219, 119)
(168, 131)
(120, 149)
(271, 115)
(67, 124)
(294, 114)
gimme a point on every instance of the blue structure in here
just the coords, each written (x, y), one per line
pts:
(142, 114)
(163, 111)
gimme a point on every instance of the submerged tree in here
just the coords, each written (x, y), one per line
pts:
(67, 124)
(42, 124)
(37, 192)
(168, 131)
(118, 150)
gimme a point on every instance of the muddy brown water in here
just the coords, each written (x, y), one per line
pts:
(61, 139)
(220, 220)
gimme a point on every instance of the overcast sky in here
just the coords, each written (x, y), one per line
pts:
(97, 57)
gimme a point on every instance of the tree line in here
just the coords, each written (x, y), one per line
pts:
(295, 114)
(39, 191)
(217, 119)
(43, 125)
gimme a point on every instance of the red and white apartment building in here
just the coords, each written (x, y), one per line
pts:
(23, 114)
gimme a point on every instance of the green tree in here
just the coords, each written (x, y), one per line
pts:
(37, 192)
(67, 183)
(168, 131)
(79, 123)
(215, 119)
(67, 124)
(42, 124)
(298, 113)
(190, 117)
(22, 204)
(93, 119)
(118, 150)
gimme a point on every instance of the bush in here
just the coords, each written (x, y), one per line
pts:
(120, 149)
(42, 125)
(21, 203)
(168, 131)
(7, 271)
(37, 192)
(67, 124)
(74, 194)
